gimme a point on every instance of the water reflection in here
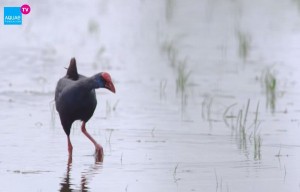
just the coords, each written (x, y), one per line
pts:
(67, 185)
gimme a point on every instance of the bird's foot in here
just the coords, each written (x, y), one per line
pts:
(99, 154)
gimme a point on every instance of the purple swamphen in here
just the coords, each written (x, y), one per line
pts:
(75, 99)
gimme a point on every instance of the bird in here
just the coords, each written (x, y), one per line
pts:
(75, 99)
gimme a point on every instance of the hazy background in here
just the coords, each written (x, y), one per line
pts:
(206, 95)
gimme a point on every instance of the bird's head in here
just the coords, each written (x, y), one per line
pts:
(104, 81)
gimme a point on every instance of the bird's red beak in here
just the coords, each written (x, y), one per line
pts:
(110, 86)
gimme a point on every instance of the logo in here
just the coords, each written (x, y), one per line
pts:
(13, 15)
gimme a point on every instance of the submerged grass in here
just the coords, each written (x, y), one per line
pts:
(219, 182)
(162, 88)
(257, 146)
(269, 83)
(182, 81)
(256, 137)
(170, 5)
(244, 44)
(152, 132)
(93, 27)
(231, 116)
(114, 108)
(241, 128)
(101, 59)
(206, 109)
(170, 48)
(109, 136)
(110, 107)
(175, 173)
(180, 66)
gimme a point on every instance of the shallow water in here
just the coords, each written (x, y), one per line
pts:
(158, 133)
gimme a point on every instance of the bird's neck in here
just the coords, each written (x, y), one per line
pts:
(89, 83)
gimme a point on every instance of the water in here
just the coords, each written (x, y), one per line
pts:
(184, 73)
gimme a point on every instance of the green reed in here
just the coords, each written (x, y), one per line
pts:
(240, 123)
(244, 44)
(180, 67)
(269, 81)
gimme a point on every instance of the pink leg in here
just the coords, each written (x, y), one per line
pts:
(99, 149)
(70, 147)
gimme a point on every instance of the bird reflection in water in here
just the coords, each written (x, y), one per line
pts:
(86, 176)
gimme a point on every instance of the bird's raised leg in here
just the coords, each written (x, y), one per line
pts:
(70, 147)
(99, 149)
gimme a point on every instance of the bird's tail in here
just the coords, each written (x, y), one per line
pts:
(72, 70)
